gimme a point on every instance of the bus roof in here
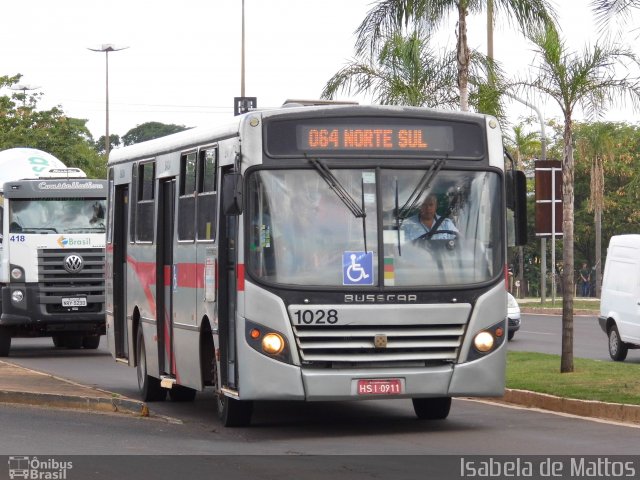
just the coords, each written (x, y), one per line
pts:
(200, 135)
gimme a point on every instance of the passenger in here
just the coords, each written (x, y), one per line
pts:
(422, 223)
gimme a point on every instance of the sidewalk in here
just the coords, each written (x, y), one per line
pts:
(28, 387)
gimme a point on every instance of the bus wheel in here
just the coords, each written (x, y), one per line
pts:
(617, 348)
(150, 389)
(5, 342)
(91, 342)
(234, 413)
(178, 393)
(432, 408)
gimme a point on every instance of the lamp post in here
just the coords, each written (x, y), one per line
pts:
(24, 89)
(106, 48)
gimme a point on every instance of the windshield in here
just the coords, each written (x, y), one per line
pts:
(57, 216)
(428, 228)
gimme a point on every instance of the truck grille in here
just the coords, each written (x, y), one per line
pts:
(56, 282)
(355, 345)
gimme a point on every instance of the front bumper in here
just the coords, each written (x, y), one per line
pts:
(32, 318)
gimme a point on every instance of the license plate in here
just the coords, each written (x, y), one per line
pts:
(384, 386)
(74, 302)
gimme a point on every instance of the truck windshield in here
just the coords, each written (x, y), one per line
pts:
(443, 232)
(57, 216)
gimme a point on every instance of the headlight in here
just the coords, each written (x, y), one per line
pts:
(483, 341)
(272, 343)
(17, 296)
(16, 273)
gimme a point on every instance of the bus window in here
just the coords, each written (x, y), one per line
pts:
(187, 200)
(145, 221)
(206, 193)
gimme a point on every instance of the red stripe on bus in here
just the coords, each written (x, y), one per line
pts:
(146, 272)
(190, 275)
(241, 277)
(167, 275)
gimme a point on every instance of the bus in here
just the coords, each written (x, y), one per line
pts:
(269, 258)
(52, 256)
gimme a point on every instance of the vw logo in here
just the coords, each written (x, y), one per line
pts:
(73, 263)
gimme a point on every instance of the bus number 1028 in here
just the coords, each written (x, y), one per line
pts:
(316, 317)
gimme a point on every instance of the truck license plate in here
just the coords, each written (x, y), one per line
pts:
(384, 386)
(74, 302)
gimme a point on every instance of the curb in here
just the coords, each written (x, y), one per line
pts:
(77, 402)
(582, 408)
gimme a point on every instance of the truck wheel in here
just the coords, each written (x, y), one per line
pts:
(58, 341)
(617, 348)
(91, 342)
(432, 408)
(179, 393)
(234, 413)
(150, 389)
(5, 342)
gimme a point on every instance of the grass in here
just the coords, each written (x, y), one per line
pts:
(591, 380)
(578, 303)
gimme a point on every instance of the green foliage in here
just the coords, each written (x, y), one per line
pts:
(149, 131)
(66, 138)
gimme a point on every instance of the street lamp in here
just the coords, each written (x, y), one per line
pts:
(106, 48)
(24, 89)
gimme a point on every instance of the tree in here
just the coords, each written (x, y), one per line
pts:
(149, 131)
(405, 72)
(392, 15)
(114, 141)
(68, 139)
(606, 10)
(589, 80)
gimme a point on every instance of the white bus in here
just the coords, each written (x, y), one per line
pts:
(52, 255)
(271, 258)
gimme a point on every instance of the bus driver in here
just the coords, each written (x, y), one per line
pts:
(426, 220)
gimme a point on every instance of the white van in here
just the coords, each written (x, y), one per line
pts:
(620, 300)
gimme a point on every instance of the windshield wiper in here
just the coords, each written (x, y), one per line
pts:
(423, 184)
(84, 229)
(38, 229)
(336, 186)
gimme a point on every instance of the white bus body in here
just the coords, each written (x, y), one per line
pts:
(52, 257)
(270, 258)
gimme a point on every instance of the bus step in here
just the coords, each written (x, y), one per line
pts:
(167, 382)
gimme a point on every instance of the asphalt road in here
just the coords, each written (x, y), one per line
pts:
(542, 333)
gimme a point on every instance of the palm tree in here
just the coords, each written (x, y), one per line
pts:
(588, 80)
(606, 10)
(597, 144)
(405, 72)
(393, 15)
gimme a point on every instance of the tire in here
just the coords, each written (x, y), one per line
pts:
(617, 348)
(179, 393)
(5, 342)
(91, 342)
(510, 335)
(58, 341)
(432, 408)
(150, 389)
(73, 342)
(234, 413)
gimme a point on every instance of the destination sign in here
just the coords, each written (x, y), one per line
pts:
(381, 135)
(364, 137)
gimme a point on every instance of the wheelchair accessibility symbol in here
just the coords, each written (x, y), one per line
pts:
(357, 268)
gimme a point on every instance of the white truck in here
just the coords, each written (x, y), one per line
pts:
(620, 299)
(51, 251)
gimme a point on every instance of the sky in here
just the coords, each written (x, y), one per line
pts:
(181, 63)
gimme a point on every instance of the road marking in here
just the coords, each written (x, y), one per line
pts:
(537, 333)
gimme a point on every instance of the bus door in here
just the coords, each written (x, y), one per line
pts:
(120, 223)
(227, 291)
(165, 275)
